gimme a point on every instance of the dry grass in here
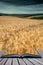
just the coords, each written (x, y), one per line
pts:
(20, 35)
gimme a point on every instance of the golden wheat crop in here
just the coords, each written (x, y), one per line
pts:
(20, 36)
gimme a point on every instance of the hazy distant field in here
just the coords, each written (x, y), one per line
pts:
(20, 35)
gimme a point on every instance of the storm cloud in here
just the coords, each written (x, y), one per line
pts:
(21, 6)
(23, 2)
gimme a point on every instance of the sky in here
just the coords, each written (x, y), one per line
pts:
(21, 6)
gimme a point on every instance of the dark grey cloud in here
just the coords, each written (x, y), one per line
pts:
(21, 6)
(23, 2)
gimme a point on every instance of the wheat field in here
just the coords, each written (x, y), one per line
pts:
(20, 35)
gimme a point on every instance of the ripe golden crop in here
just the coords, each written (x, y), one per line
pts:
(21, 37)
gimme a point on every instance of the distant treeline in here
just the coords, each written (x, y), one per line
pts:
(40, 17)
(32, 16)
